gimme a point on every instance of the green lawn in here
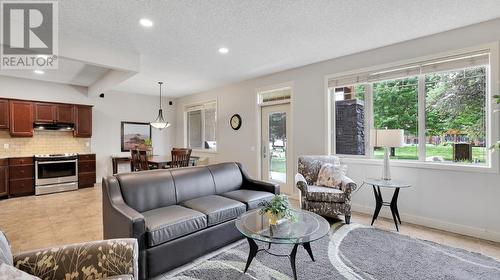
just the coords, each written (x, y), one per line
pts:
(410, 152)
(278, 164)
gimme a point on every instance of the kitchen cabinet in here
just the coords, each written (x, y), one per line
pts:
(65, 113)
(21, 176)
(45, 112)
(86, 171)
(4, 177)
(21, 118)
(4, 114)
(83, 121)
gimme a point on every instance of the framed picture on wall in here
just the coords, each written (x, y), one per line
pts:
(135, 135)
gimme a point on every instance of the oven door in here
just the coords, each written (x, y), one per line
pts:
(55, 172)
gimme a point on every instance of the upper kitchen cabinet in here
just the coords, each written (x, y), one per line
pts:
(4, 114)
(83, 121)
(21, 118)
(65, 113)
(45, 113)
(54, 113)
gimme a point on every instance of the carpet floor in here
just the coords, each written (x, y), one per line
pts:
(349, 252)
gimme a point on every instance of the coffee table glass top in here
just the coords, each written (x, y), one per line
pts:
(307, 227)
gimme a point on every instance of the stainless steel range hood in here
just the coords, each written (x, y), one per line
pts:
(54, 126)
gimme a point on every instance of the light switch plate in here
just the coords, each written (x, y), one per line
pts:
(87, 144)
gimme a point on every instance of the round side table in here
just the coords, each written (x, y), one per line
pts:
(393, 204)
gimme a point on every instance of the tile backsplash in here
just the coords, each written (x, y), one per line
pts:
(42, 142)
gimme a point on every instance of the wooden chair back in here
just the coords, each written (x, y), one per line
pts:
(180, 157)
(139, 160)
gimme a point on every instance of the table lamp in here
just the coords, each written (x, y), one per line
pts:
(388, 138)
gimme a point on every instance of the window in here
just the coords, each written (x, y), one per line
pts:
(201, 125)
(441, 105)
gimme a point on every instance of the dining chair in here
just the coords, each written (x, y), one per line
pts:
(139, 160)
(180, 157)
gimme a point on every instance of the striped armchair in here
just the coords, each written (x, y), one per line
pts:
(324, 201)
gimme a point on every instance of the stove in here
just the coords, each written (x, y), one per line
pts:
(56, 173)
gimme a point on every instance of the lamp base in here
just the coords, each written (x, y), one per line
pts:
(386, 172)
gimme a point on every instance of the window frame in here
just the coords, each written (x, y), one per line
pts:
(195, 107)
(492, 119)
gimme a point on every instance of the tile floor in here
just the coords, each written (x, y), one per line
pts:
(43, 221)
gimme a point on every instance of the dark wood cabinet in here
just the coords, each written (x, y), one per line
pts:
(4, 177)
(45, 112)
(4, 114)
(21, 176)
(65, 113)
(83, 121)
(21, 118)
(86, 171)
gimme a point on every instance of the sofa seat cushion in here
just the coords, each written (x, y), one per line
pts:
(249, 197)
(325, 194)
(217, 208)
(167, 223)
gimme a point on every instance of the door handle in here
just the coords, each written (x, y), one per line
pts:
(264, 154)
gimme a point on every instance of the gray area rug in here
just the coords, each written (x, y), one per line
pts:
(350, 252)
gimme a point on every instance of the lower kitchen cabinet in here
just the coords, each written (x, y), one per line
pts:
(4, 177)
(21, 176)
(86, 171)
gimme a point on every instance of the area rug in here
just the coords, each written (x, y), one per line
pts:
(349, 252)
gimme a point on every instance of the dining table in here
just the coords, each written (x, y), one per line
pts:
(163, 161)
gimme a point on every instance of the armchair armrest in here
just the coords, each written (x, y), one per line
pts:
(91, 260)
(119, 219)
(257, 185)
(348, 185)
(301, 184)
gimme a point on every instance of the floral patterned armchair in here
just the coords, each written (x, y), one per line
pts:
(107, 259)
(325, 201)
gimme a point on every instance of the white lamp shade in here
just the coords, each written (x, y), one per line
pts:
(389, 138)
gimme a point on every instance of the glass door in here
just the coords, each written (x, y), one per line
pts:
(275, 161)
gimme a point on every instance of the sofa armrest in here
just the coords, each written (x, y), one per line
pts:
(91, 260)
(119, 219)
(301, 184)
(348, 185)
(257, 185)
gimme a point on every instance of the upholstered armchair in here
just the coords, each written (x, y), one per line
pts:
(106, 259)
(324, 201)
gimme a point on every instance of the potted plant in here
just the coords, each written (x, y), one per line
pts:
(149, 146)
(277, 209)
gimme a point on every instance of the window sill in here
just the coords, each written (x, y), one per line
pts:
(422, 165)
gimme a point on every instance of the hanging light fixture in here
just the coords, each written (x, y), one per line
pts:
(160, 122)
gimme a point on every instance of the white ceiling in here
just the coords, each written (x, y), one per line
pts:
(264, 36)
(69, 72)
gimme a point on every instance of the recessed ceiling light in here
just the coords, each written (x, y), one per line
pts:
(146, 22)
(39, 72)
(223, 50)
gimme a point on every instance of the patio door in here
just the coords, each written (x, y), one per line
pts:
(275, 160)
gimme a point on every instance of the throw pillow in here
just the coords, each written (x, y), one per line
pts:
(331, 175)
(5, 253)
(8, 272)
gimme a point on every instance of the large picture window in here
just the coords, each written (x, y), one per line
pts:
(441, 105)
(201, 125)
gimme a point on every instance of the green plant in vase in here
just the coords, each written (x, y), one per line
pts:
(149, 146)
(277, 209)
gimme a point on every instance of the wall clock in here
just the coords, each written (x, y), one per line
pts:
(235, 122)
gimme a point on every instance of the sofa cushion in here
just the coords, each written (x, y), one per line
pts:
(193, 182)
(227, 177)
(5, 252)
(147, 190)
(217, 208)
(167, 223)
(11, 273)
(325, 194)
(249, 197)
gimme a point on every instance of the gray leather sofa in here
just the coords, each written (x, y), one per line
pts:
(179, 214)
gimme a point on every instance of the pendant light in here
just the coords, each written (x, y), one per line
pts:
(160, 122)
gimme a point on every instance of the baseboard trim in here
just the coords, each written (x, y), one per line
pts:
(433, 223)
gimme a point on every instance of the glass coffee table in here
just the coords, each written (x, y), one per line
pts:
(306, 228)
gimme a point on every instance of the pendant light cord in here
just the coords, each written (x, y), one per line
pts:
(160, 83)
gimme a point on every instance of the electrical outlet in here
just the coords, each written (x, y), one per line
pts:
(6, 146)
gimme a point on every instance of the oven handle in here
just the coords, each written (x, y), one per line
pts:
(57, 161)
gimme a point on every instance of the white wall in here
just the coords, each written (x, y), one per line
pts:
(464, 202)
(108, 113)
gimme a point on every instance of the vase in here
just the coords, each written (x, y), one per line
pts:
(273, 218)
